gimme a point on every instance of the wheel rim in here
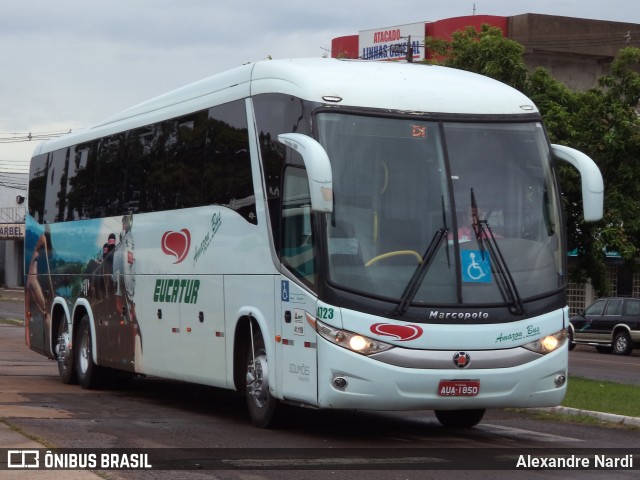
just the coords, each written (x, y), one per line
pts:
(258, 381)
(621, 343)
(85, 354)
(63, 353)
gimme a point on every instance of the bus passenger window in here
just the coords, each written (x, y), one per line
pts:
(296, 250)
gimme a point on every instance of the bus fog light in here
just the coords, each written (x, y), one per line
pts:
(340, 383)
(561, 380)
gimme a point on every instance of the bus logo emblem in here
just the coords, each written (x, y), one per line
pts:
(401, 333)
(176, 244)
(461, 359)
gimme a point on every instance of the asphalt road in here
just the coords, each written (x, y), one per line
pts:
(585, 362)
(11, 304)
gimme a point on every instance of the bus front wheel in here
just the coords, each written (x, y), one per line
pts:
(459, 418)
(263, 407)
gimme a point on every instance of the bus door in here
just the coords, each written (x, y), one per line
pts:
(298, 337)
(298, 344)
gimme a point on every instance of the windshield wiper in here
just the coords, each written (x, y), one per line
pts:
(444, 225)
(419, 273)
(417, 278)
(483, 232)
(475, 223)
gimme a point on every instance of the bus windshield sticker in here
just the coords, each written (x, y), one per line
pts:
(419, 131)
(476, 267)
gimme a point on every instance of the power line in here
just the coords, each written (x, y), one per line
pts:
(14, 180)
(18, 137)
(19, 167)
(13, 163)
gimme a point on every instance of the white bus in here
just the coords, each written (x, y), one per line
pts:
(324, 233)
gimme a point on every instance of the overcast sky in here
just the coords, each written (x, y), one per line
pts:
(67, 64)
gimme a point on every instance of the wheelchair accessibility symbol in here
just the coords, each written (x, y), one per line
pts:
(284, 290)
(475, 268)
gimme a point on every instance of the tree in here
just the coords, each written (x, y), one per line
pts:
(485, 52)
(603, 122)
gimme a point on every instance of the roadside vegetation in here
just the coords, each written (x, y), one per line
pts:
(11, 321)
(602, 396)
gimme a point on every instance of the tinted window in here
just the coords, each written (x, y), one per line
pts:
(38, 186)
(596, 308)
(80, 184)
(171, 171)
(194, 160)
(111, 163)
(632, 307)
(614, 307)
(226, 173)
(276, 114)
(297, 238)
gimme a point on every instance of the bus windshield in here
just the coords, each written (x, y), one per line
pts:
(442, 213)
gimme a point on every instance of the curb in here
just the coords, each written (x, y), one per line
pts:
(605, 417)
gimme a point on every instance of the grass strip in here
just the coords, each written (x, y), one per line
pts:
(603, 396)
(12, 321)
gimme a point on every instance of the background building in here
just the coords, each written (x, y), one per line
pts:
(576, 51)
(13, 192)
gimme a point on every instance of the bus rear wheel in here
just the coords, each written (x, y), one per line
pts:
(263, 407)
(89, 374)
(459, 418)
(64, 353)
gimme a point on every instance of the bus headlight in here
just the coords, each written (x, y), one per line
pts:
(549, 343)
(351, 341)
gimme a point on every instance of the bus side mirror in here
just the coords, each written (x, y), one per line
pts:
(318, 166)
(592, 184)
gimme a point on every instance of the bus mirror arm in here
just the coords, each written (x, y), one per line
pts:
(318, 166)
(592, 184)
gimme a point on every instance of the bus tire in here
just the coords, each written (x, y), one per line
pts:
(572, 343)
(263, 407)
(89, 374)
(64, 354)
(459, 418)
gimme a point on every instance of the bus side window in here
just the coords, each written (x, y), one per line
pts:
(39, 172)
(296, 250)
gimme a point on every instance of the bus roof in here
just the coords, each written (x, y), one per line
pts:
(396, 86)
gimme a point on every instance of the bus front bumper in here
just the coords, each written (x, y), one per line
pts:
(353, 381)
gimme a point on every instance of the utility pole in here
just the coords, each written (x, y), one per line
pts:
(409, 50)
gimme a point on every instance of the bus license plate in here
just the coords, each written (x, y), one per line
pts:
(459, 388)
